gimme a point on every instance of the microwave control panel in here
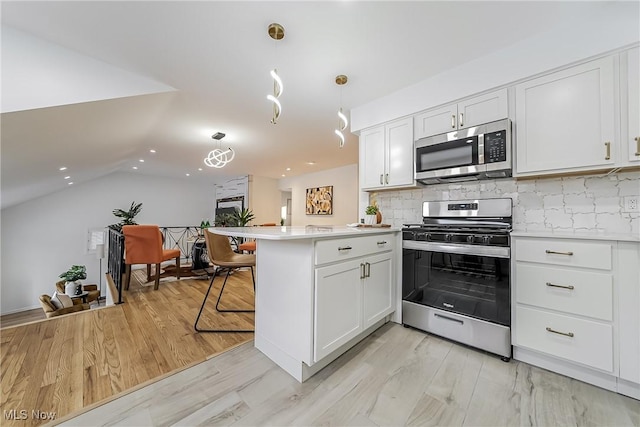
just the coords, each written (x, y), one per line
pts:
(495, 146)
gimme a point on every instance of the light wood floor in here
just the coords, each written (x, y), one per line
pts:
(396, 376)
(64, 364)
(22, 317)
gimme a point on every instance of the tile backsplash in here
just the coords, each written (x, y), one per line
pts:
(581, 203)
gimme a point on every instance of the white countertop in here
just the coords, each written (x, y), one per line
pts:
(299, 232)
(587, 235)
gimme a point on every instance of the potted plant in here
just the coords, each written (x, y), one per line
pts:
(127, 216)
(72, 275)
(243, 217)
(371, 215)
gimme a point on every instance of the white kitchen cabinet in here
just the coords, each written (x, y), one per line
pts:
(565, 121)
(630, 101)
(464, 114)
(351, 295)
(575, 308)
(386, 156)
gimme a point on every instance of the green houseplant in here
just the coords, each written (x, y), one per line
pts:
(72, 275)
(127, 216)
(243, 217)
(371, 214)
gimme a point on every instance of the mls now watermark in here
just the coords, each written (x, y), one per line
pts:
(23, 414)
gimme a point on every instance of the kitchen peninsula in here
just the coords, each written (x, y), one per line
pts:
(320, 290)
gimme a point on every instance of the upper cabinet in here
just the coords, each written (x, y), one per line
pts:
(468, 113)
(565, 121)
(630, 100)
(386, 156)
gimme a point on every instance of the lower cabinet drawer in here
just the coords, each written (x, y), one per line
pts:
(573, 291)
(333, 250)
(577, 340)
(565, 252)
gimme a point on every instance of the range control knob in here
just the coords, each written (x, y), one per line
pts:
(486, 239)
(448, 237)
(469, 238)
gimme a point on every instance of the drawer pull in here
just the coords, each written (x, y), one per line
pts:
(559, 253)
(449, 318)
(345, 248)
(566, 334)
(560, 286)
(381, 243)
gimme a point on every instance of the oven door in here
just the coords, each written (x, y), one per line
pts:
(464, 279)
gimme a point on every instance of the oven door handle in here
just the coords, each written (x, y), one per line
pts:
(490, 251)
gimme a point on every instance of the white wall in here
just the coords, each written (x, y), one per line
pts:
(43, 237)
(616, 25)
(264, 200)
(345, 195)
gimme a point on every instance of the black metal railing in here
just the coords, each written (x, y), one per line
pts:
(115, 259)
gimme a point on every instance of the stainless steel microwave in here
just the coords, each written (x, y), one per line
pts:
(479, 152)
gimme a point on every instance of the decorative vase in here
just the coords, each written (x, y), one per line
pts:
(370, 219)
(378, 218)
(71, 288)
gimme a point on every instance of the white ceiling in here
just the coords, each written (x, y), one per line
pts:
(94, 86)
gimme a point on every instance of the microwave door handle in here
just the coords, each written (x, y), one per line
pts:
(481, 149)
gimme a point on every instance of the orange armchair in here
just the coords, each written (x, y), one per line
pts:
(143, 245)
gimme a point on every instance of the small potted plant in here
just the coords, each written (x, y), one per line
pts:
(72, 275)
(371, 215)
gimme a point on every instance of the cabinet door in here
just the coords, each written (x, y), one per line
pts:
(633, 108)
(372, 158)
(483, 109)
(565, 120)
(629, 315)
(378, 292)
(399, 162)
(437, 121)
(337, 306)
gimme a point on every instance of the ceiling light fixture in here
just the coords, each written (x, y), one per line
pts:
(152, 151)
(343, 122)
(276, 32)
(63, 168)
(219, 158)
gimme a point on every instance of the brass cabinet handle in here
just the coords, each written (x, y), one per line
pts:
(461, 121)
(608, 155)
(386, 178)
(367, 270)
(566, 334)
(637, 139)
(381, 182)
(453, 121)
(560, 286)
(362, 271)
(345, 248)
(559, 253)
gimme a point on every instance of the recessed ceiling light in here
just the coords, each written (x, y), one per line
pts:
(188, 174)
(71, 183)
(141, 160)
(311, 163)
(283, 175)
(200, 169)
(135, 167)
(63, 168)
(152, 151)
(288, 169)
(67, 177)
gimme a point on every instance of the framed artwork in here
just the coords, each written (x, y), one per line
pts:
(320, 200)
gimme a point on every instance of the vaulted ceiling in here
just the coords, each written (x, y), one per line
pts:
(94, 86)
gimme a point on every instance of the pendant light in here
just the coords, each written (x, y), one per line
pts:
(342, 119)
(276, 32)
(218, 158)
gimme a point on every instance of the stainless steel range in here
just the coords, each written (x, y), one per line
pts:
(456, 273)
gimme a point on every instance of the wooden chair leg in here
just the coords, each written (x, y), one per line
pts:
(157, 284)
(177, 267)
(127, 276)
(148, 272)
